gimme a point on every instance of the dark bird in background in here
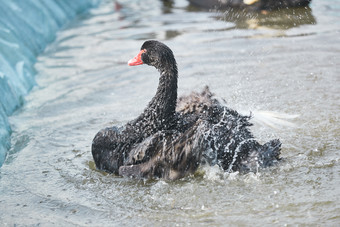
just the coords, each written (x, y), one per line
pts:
(252, 5)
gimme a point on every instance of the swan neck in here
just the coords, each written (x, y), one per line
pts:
(166, 95)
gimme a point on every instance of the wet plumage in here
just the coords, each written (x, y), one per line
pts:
(171, 138)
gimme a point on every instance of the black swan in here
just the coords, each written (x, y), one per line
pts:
(171, 138)
(252, 5)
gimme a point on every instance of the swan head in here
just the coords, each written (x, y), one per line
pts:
(154, 53)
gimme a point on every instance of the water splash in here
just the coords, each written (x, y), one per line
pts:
(274, 119)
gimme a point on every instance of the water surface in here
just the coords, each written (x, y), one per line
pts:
(286, 64)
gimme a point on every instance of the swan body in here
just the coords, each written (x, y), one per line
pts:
(172, 137)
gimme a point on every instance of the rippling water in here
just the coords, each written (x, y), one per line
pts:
(287, 63)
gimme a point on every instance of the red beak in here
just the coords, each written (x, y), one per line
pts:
(137, 60)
